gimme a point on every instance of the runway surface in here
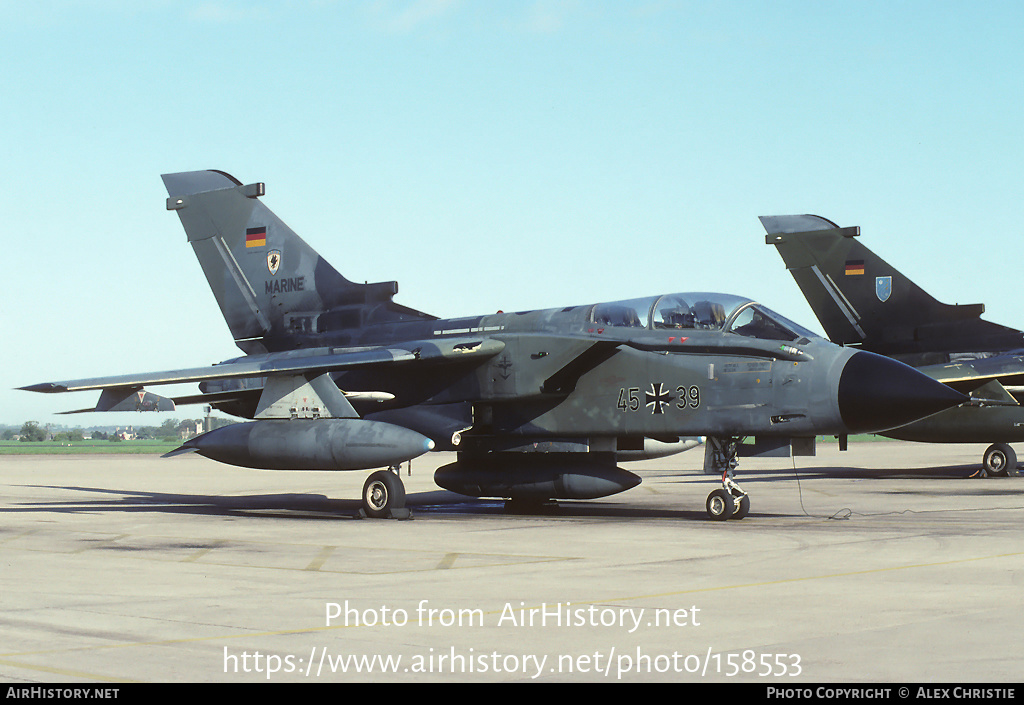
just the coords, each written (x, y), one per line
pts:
(884, 563)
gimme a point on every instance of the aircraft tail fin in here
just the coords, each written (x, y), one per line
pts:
(860, 299)
(275, 291)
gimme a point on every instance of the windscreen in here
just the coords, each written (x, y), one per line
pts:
(756, 321)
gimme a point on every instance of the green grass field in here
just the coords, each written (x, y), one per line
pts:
(87, 447)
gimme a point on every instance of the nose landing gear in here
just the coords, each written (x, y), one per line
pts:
(730, 501)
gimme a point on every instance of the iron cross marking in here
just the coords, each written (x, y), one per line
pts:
(658, 398)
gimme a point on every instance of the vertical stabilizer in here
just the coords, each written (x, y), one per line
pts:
(860, 299)
(275, 291)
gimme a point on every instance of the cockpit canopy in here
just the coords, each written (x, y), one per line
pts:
(699, 311)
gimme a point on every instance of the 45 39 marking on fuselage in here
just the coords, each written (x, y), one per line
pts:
(657, 397)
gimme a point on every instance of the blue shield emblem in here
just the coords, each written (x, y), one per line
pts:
(883, 288)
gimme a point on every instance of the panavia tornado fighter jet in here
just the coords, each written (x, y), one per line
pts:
(539, 405)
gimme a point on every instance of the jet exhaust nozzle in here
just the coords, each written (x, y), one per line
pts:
(301, 444)
(878, 393)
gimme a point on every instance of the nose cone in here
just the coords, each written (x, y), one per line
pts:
(878, 393)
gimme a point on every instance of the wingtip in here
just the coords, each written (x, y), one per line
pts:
(44, 387)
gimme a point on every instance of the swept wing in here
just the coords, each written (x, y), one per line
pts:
(307, 364)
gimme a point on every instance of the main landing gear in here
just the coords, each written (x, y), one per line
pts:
(384, 495)
(729, 502)
(999, 460)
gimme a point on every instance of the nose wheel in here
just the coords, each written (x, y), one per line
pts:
(728, 502)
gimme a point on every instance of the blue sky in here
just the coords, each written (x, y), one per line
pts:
(489, 155)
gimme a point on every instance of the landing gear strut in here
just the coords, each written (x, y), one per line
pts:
(730, 501)
(384, 495)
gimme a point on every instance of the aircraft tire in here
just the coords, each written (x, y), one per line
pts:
(742, 508)
(383, 492)
(720, 505)
(999, 460)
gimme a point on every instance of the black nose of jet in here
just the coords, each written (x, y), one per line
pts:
(878, 393)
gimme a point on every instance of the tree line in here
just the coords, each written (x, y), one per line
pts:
(171, 429)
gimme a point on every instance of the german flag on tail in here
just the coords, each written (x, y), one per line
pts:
(256, 237)
(854, 266)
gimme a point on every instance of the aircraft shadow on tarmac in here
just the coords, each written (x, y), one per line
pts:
(320, 507)
(938, 472)
(935, 473)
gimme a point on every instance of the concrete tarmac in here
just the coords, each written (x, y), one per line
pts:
(885, 563)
